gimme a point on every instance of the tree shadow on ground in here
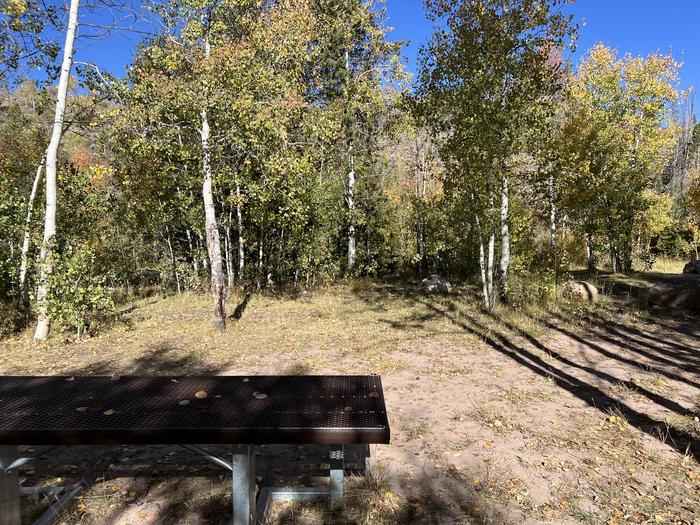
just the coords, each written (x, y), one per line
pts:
(678, 362)
(237, 313)
(505, 338)
(163, 359)
(434, 498)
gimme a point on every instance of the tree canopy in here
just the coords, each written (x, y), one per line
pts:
(278, 144)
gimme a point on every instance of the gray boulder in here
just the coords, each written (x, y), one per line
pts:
(692, 267)
(580, 291)
(671, 296)
(436, 284)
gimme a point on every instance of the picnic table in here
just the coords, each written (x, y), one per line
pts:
(240, 411)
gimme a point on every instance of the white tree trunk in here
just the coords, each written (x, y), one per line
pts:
(552, 215)
(24, 264)
(482, 263)
(241, 250)
(485, 265)
(492, 243)
(218, 283)
(490, 304)
(46, 264)
(350, 195)
(350, 199)
(228, 248)
(505, 235)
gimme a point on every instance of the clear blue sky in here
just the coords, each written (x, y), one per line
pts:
(635, 26)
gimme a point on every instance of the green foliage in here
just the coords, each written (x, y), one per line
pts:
(615, 140)
(677, 240)
(80, 292)
(527, 289)
(488, 82)
(298, 92)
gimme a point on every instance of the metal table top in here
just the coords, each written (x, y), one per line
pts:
(96, 410)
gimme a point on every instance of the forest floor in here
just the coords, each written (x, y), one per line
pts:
(568, 414)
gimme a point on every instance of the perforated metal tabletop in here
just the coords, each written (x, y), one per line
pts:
(160, 410)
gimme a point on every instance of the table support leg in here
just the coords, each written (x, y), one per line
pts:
(9, 488)
(243, 463)
(337, 467)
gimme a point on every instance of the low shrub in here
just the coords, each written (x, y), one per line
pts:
(526, 288)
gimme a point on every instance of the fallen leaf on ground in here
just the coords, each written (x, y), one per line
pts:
(200, 394)
(109, 412)
(259, 395)
(184, 402)
(81, 409)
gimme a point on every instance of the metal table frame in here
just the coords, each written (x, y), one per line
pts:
(246, 511)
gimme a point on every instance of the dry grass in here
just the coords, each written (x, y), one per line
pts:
(163, 336)
(666, 265)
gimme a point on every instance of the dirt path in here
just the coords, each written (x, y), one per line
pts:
(578, 416)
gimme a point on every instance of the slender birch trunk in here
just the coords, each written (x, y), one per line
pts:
(241, 250)
(489, 268)
(485, 265)
(46, 263)
(505, 236)
(492, 241)
(229, 249)
(350, 199)
(260, 258)
(482, 262)
(552, 215)
(218, 283)
(24, 264)
(350, 195)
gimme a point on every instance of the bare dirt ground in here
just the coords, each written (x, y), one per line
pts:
(572, 414)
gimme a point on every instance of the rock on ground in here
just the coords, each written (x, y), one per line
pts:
(580, 290)
(668, 296)
(692, 267)
(436, 284)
